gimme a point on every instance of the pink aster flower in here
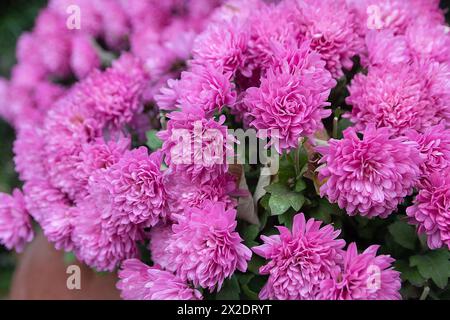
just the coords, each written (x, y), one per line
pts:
(332, 28)
(100, 155)
(116, 94)
(84, 58)
(195, 145)
(15, 222)
(205, 248)
(205, 87)
(141, 282)
(369, 176)
(292, 97)
(299, 260)
(363, 276)
(52, 210)
(183, 193)
(434, 147)
(401, 98)
(431, 209)
(159, 241)
(96, 242)
(429, 40)
(135, 188)
(222, 45)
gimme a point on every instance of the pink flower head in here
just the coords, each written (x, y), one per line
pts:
(434, 147)
(96, 243)
(15, 222)
(196, 146)
(205, 248)
(369, 176)
(205, 87)
(84, 58)
(332, 28)
(384, 49)
(116, 94)
(299, 260)
(135, 187)
(429, 40)
(52, 210)
(141, 282)
(222, 45)
(364, 276)
(401, 98)
(183, 193)
(160, 236)
(431, 209)
(100, 155)
(292, 97)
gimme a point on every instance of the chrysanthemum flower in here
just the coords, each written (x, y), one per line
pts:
(431, 209)
(401, 98)
(195, 145)
(15, 222)
(369, 176)
(363, 276)
(52, 210)
(135, 188)
(434, 147)
(385, 50)
(332, 29)
(159, 240)
(292, 97)
(205, 248)
(141, 282)
(299, 260)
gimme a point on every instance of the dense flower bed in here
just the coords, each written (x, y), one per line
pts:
(353, 94)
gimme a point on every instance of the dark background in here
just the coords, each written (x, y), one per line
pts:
(17, 16)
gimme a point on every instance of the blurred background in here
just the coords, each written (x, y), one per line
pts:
(17, 16)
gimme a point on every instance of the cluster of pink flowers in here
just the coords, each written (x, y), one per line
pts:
(94, 189)
(310, 263)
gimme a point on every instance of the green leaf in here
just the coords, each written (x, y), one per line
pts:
(404, 234)
(277, 189)
(153, 142)
(278, 204)
(230, 290)
(410, 274)
(255, 263)
(244, 280)
(287, 219)
(296, 200)
(300, 185)
(434, 265)
(249, 235)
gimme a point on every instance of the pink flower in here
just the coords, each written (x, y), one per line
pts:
(205, 87)
(84, 58)
(434, 147)
(196, 146)
(292, 97)
(401, 98)
(364, 276)
(384, 49)
(96, 242)
(205, 248)
(222, 45)
(116, 94)
(52, 210)
(332, 29)
(159, 240)
(141, 282)
(99, 155)
(369, 176)
(431, 209)
(299, 260)
(135, 188)
(15, 222)
(183, 193)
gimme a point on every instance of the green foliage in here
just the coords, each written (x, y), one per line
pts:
(153, 142)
